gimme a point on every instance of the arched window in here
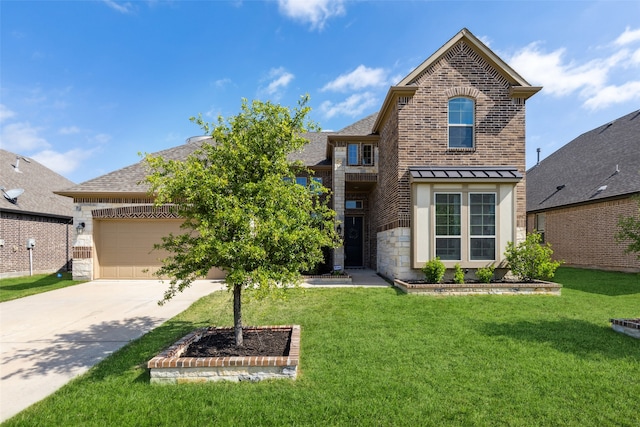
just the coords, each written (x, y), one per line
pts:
(461, 112)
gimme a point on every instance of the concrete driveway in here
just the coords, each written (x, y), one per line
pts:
(50, 338)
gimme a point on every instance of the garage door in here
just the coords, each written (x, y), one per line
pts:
(124, 248)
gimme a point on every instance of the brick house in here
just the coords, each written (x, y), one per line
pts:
(38, 214)
(437, 171)
(576, 195)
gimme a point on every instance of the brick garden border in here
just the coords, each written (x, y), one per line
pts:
(501, 288)
(169, 367)
(629, 327)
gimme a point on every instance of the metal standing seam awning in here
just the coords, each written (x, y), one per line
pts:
(465, 173)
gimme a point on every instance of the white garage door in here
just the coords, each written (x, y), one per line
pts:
(124, 248)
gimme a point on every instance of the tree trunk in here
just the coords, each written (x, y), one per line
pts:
(237, 314)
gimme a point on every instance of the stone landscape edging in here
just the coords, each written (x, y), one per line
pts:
(538, 287)
(169, 368)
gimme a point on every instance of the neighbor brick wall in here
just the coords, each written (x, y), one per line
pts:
(583, 236)
(52, 252)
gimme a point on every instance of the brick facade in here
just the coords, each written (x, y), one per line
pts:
(415, 133)
(583, 236)
(52, 251)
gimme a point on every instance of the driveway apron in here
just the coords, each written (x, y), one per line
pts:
(50, 338)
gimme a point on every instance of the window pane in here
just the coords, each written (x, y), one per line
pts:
(461, 111)
(302, 180)
(367, 155)
(483, 249)
(352, 155)
(448, 248)
(461, 136)
(448, 214)
(482, 218)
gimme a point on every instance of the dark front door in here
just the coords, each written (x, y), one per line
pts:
(353, 241)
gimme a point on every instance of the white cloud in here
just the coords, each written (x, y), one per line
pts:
(21, 137)
(353, 106)
(100, 138)
(119, 7)
(598, 82)
(278, 79)
(314, 12)
(360, 78)
(63, 163)
(611, 95)
(629, 36)
(5, 113)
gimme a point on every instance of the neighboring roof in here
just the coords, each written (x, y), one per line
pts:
(38, 183)
(520, 88)
(493, 173)
(129, 179)
(599, 164)
(361, 127)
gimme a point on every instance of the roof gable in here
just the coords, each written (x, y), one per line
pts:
(599, 164)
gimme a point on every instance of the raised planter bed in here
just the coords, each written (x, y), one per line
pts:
(328, 279)
(629, 327)
(169, 367)
(502, 288)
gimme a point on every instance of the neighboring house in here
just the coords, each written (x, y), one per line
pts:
(438, 171)
(31, 212)
(576, 195)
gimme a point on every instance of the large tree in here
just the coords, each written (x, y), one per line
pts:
(244, 211)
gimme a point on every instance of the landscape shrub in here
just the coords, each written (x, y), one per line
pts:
(485, 274)
(530, 260)
(458, 274)
(434, 270)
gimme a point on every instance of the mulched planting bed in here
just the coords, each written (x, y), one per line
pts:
(221, 343)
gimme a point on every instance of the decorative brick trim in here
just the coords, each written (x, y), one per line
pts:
(467, 91)
(113, 200)
(361, 177)
(627, 323)
(170, 358)
(82, 252)
(403, 221)
(135, 212)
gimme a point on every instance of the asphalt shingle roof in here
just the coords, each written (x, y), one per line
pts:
(129, 178)
(38, 183)
(599, 164)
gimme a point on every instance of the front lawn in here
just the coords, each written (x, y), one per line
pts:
(18, 287)
(382, 358)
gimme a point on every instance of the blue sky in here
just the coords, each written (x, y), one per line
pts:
(87, 85)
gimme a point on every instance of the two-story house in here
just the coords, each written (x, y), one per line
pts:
(438, 171)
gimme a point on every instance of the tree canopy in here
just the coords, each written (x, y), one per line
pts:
(243, 210)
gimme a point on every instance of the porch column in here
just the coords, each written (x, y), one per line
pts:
(339, 164)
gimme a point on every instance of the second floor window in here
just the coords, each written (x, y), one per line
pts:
(461, 111)
(353, 157)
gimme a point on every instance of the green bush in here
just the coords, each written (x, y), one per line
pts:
(485, 274)
(458, 274)
(530, 260)
(434, 270)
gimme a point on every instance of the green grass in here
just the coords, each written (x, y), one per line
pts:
(376, 357)
(19, 287)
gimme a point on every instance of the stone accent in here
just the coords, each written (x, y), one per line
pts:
(629, 327)
(169, 368)
(533, 288)
(394, 254)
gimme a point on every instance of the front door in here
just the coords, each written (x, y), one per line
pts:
(353, 241)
